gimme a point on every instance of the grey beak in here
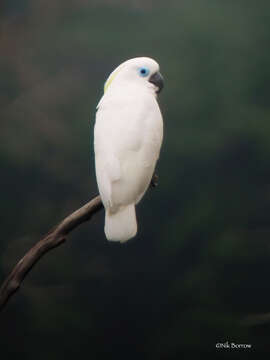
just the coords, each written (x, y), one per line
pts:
(157, 80)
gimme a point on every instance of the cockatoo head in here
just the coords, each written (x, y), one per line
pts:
(138, 71)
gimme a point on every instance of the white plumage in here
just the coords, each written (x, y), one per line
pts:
(127, 139)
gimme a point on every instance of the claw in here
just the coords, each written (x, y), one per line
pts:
(154, 181)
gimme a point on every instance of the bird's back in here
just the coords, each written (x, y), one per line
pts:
(128, 136)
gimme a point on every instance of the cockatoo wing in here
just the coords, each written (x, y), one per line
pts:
(128, 136)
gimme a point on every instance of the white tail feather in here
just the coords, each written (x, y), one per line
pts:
(121, 225)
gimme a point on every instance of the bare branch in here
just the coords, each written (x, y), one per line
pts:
(53, 239)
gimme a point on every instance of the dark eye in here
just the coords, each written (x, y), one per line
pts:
(143, 71)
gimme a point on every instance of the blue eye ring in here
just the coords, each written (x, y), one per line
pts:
(143, 71)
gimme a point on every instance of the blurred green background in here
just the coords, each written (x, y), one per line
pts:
(200, 262)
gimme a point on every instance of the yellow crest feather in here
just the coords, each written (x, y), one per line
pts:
(110, 80)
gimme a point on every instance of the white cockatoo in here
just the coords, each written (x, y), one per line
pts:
(127, 139)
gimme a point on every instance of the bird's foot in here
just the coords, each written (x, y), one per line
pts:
(154, 181)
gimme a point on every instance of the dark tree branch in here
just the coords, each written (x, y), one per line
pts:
(53, 239)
